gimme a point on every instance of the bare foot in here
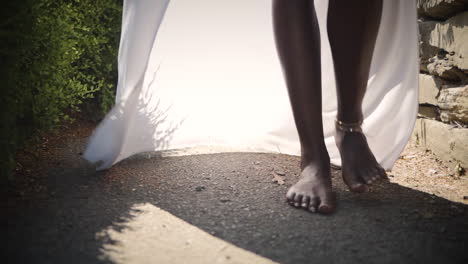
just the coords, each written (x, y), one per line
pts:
(313, 191)
(359, 167)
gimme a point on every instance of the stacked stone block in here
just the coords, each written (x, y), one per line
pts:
(443, 80)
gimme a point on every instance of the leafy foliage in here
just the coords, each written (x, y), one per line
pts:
(55, 57)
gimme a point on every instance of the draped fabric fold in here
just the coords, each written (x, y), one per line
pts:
(208, 75)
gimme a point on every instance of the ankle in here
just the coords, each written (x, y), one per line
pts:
(317, 156)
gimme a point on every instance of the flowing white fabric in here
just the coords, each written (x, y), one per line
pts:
(211, 77)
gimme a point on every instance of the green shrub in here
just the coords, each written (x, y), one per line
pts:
(54, 55)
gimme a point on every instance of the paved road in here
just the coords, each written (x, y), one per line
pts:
(231, 196)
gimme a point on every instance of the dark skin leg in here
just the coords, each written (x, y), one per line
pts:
(352, 30)
(352, 26)
(298, 43)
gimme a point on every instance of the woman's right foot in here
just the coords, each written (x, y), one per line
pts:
(313, 191)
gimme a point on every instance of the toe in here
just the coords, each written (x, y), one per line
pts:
(328, 203)
(313, 204)
(382, 173)
(326, 209)
(297, 200)
(358, 187)
(368, 176)
(305, 202)
(354, 182)
(375, 175)
(290, 196)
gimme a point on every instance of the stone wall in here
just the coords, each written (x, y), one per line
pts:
(443, 100)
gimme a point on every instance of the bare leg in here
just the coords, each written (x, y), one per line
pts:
(352, 29)
(298, 43)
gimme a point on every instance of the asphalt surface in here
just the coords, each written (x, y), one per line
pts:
(233, 197)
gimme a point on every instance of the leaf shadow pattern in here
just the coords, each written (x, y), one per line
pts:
(443, 35)
(137, 123)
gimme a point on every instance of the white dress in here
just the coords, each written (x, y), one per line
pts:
(208, 74)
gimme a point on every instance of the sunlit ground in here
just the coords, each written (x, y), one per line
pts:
(151, 234)
(421, 170)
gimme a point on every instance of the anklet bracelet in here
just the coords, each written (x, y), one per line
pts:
(348, 127)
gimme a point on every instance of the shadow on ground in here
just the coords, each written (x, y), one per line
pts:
(232, 196)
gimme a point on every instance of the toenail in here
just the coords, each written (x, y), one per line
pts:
(304, 204)
(325, 209)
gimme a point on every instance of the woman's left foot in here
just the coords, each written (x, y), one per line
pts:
(359, 167)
